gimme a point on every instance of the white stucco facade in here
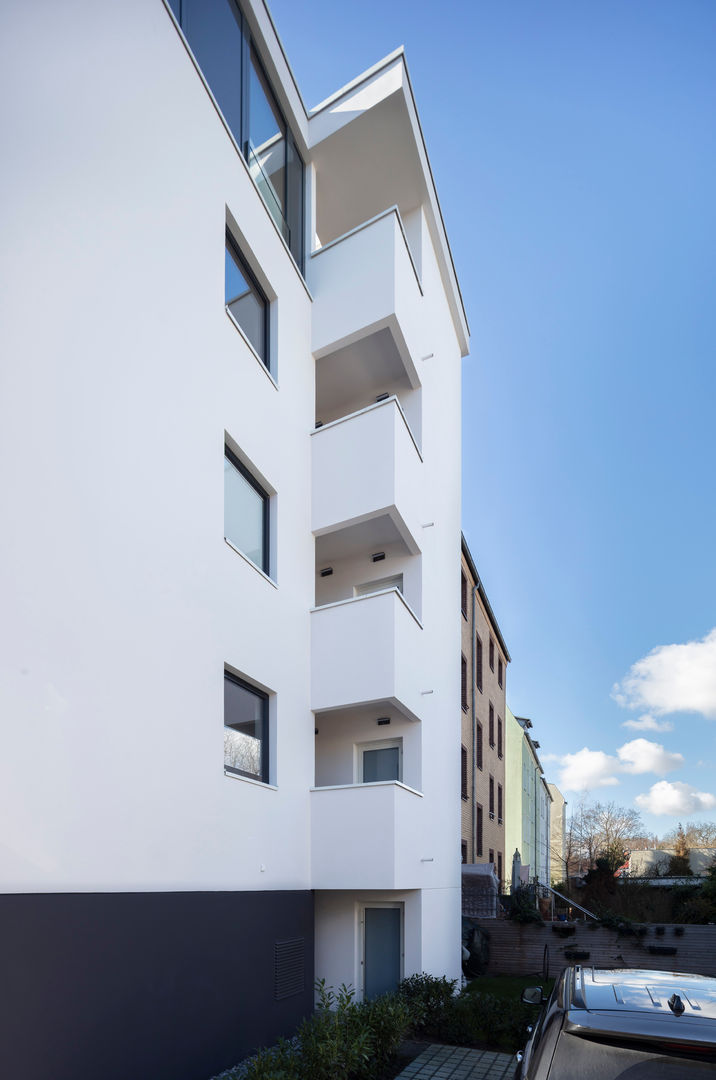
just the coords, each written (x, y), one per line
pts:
(123, 380)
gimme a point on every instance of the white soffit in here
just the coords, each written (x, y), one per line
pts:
(385, 138)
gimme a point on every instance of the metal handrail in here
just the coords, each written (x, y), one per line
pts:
(568, 900)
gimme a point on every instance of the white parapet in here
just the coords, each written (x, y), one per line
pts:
(365, 649)
(363, 282)
(367, 836)
(364, 464)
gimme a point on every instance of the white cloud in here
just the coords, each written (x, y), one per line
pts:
(587, 769)
(677, 799)
(673, 678)
(642, 756)
(648, 723)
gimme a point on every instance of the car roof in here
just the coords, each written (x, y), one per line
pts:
(641, 990)
(634, 1004)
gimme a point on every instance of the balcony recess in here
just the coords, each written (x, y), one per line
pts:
(367, 836)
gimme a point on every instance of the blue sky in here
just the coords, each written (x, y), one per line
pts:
(574, 151)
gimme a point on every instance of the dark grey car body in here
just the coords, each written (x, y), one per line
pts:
(614, 1024)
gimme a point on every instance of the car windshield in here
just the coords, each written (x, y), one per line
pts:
(592, 1060)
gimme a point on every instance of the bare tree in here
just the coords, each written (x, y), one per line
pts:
(697, 834)
(602, 830)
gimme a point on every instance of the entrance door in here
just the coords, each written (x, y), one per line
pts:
(382, 959)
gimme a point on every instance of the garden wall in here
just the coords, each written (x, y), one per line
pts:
(521, 949)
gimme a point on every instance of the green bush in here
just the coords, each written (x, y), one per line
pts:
(427, 998)
(469, 1017)
(336, 1043)
(342, 1040)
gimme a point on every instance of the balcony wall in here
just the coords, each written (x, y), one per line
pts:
(367, 836)
(364, 465)
(364, 282)
(366, 649)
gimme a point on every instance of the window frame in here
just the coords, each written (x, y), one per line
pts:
(500, 668)
(463, 594)
(491, 725)
(463, 683)
(478, 662)
(480, 827)
(377, 744)
(463, 774)
(266, 518)
(265, 748)
(500, 804)
(479, 748)
(492, 653)
(491, 798)
(499, 737)
(235, 252)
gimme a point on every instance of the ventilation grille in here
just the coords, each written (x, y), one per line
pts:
(288, 968)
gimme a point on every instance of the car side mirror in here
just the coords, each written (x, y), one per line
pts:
(532, 995)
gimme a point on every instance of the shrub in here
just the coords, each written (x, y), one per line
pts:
(388, 1018)
(522, 909)
(335, 1043)
(427, 997)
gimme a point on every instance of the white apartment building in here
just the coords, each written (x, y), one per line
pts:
(230, 435)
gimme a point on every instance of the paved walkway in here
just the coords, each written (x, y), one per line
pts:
(458, 1063)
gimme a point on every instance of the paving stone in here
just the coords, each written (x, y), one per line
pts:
(459, 1063)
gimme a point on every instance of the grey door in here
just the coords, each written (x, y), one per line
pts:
(382, 950)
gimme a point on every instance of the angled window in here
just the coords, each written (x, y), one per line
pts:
(463, 772)
(246, 512)
(479, 832)
(499, 671)
(221, 42)
(245, 301)
(499, 866)
(492, 655)
(492, 724)
(463, 851)
(492, 799)
(479, 746)
(245, 729)
(478, 663)
(499, 736)
(491, 856)
(463, 595)
(499, 804)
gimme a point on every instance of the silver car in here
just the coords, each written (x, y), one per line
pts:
(604, 1024)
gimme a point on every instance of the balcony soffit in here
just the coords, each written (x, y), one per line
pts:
(386, 145)
(354, 372)
(366, 166)
(376, 534)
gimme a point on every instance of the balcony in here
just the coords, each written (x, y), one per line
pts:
(365, 465)
(367, 836)
(367, 649)
(366, 282)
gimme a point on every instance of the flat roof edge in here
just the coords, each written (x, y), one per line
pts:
(483, 595)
